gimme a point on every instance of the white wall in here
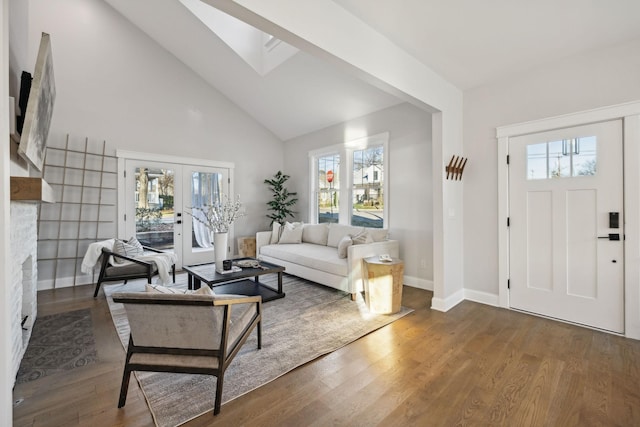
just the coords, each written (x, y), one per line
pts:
(18, 53)
(6, 370)
(18, 48)
(357, 48)
(596, 79)
(114, 83)
(410, 181)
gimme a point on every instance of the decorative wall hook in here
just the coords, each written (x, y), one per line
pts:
(455, 168)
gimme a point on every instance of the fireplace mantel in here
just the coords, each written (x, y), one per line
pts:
(29, 189)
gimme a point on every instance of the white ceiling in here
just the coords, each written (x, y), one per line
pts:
(468, 42)
(474, 42)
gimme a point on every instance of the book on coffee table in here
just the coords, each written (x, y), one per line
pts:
(233, 269)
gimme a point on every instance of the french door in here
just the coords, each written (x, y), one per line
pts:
(200, 186)
(567, 225)
(158, 197)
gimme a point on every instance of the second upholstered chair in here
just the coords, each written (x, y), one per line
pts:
(187, 333)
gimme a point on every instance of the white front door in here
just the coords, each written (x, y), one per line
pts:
(565, 214)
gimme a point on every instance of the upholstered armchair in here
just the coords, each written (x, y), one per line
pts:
(132, 268)
(187, 333)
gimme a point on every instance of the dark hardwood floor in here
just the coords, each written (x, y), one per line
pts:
(474, 365)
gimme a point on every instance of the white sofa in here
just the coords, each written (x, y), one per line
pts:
(329, 254)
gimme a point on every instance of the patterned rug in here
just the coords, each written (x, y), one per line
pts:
(59, 342)
(311, 321)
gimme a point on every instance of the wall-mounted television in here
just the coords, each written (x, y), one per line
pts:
(37, 118)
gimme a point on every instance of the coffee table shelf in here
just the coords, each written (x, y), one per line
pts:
(237, 282)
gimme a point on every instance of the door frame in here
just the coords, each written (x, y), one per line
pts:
(630, 115)
(124, 155)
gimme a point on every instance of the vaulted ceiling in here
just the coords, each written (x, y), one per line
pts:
(468, 42)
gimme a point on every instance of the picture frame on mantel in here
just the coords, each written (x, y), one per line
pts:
(42, 96)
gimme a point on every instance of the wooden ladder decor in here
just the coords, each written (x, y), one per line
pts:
(456, 167)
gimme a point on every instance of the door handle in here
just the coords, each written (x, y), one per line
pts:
(611, 236)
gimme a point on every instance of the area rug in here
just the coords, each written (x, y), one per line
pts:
(58, 342)
(311, 321)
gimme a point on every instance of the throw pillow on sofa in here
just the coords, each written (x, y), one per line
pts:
(275, 233)
(338, 231)
(362, 238)
(291, 233)
(378, 234)
(343, 246)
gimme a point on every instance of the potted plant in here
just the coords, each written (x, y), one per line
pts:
(219, 216)
(280, 206)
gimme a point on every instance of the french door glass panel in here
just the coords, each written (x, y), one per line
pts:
(153, 205)
(202, 186)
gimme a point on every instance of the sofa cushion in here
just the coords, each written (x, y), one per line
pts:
(127, 268)
(338, 231)
(291, 233)
(315, 233)
(317, 257)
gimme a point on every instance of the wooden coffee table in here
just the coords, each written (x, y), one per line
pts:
(236, 282)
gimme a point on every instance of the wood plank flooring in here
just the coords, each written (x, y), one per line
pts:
(474, 365)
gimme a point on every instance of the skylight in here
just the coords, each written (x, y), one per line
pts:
(262, 51)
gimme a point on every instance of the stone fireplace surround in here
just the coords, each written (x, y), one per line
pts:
(23, 286)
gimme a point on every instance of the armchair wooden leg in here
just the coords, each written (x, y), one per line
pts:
(218, 403)
(126, 375)
(259, 331)
(125, 387)
(95, 293)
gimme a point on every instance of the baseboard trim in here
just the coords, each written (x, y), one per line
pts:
(482, 297)
(416, 282)
(65, 282)
(446, 304)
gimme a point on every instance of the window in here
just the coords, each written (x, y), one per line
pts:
(352, 191)
(328, 190)
(368, 188)
(562, 159)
